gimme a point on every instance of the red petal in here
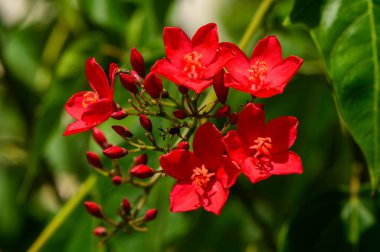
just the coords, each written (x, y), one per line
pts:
(99, 111)
(238, 66)
(74, 105)
(286, 162)
(217, 65)
(283, 133)
(77, 127)
(228, 172)
(206, 41)
(184, 197)
(180, 164)
(268, 50)
(216, 198)
(208, 146)
(177, 45)
(112, 73)
(169, 71)
(234, 147)
(197, 85)
(256, 169)
(97, 79)
(251, 124)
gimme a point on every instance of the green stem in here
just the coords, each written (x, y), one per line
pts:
(62, 215)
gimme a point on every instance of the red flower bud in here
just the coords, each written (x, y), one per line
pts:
(221, 91)
(115, 152)
(142, 159)
(234, 118)
(145, 122)
(137, 62)
(126, 205)
(153, 85)
(180, 114)
(150, 214)
(99, 138)
(122, 131)
(128, 83)
(93, 209)
(119, 115)
(183, 90)
(100, 231)
(136, 77)
(116, 180)
(183, 145)
(141, 171)
(223, 112)
(94, 160)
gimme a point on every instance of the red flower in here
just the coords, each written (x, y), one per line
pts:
(203, 176)
(91, 108)
(262, 150)
(191, 63)
(265, 74)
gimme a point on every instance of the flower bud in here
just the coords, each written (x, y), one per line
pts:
(137, 62)
(100, 231)
(119, 115)
(150, 214)
(115, 152)
(128, 83)
(180, 114)
(234, 118)
(126, 206)
(136, 77)
(183, 90)
(100, 138)
(223, 112)
(122, 131)
(116, 180)
(141, 171)
(183, 145)
(94, 160)
(145, 122)
(153, 85)
(221, 91)
(142, 159)
(93, 209)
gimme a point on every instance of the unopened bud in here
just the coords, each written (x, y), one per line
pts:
(183, 145)
(128, 83)
(119, 115)
(150, 214)
(153, 85)
(223, 112)
(115, 152)
(137, 62)
(99, 138)
(234, 118)
(142, 171)
(126, 206)
(122, 131)
(183, 90)
(136, 77)
(94, 160)
(93, 209)
(180, 114)
(142, 159)
(221, 91)
(116, 180)
(100, 231)
(145, 122)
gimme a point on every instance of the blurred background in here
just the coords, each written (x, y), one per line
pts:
(43, 48)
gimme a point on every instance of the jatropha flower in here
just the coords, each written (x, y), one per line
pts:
(91, 108)
(203, 176)
(262, 149)
(265, 74)
(191, 63)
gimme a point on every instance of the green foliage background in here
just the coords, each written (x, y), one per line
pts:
(330, 207)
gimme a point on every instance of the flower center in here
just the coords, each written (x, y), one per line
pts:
(257, 73)
(89, 98)
(193, 64)
(262, 145)
(201, 176)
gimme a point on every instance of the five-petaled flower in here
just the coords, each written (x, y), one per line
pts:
(203, 176)
(265, 74)
(91, 108)
(262, 149)
(192, 63)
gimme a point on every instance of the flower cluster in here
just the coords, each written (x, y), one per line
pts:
(225, 143)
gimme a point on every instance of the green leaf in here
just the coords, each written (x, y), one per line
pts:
(348, 37)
